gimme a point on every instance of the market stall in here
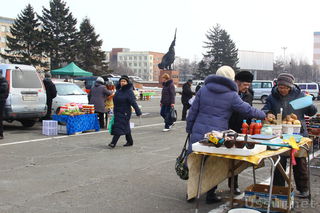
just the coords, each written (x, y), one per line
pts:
(146, 95)
(204, 163)
(77, 118)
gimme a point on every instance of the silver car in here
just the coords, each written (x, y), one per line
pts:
(27, 97)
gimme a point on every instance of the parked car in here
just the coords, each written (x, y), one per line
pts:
(310, 88)
(26, 102)
(68, 93)
(261, 89)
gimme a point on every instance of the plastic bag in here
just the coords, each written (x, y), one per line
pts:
(110, 125)
(173, 114)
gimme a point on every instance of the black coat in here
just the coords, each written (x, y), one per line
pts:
(4, 89)
(275, 101)
(168, 93)
(236, 119)
(123, 100)
(51, 90)
(186, 93)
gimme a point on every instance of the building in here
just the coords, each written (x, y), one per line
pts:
(143, 64)
(256, 62)
(5, 24)
(316, 48)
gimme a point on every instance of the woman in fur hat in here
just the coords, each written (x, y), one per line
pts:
(123, 100)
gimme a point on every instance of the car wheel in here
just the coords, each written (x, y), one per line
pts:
(264, 99)
(28, 123)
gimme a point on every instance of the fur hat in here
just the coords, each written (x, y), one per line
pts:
(226, 71)
(285, 79)
(125, 77)
(244, 76)
(100, 80)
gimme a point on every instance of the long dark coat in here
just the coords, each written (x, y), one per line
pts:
(236, 119)
(186, 93)
(51, 90)
(123, 100)
(4, 89)
(213, 106)
(275, 101)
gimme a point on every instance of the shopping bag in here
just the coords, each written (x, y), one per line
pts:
(181, 162)
(110, 125)
(173, 114)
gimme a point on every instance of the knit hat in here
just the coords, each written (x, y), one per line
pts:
(190, 81)
(226, 71)
(285, 79)
(244, 76)
(125, 77)
(100, 80)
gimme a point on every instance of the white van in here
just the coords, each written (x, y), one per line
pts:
(310, 88)
(27, 97)
(262, 89)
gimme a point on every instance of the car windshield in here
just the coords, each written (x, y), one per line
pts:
(69, 89)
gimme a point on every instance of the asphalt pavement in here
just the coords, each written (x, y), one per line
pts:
(78, 173)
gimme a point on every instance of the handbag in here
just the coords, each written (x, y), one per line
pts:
(181, 164)
(173, 114)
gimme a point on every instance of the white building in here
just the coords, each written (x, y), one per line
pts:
(143, 64)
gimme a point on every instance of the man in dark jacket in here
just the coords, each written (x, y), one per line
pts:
(243, 80)
(185, 97)
(4, 92)
(167, 101)
(51, 92)
(284, 92)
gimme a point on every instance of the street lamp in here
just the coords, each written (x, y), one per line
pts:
(284, 58)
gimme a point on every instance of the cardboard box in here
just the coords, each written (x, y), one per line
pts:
(257, 196)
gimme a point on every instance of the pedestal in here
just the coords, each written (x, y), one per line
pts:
(174, 75)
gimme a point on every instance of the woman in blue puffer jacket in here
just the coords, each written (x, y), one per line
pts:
(212, 109)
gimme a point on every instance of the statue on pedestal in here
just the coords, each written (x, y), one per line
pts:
(168, 58)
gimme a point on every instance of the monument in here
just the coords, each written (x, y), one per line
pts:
(166, 65)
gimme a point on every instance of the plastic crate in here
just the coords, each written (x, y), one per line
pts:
(49, 127)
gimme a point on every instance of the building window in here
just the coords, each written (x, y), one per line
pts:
(135, 58)
(125, 57)
(145, 58)
(145, 64)
(139, 64)
(150, 64)
(130, 64)
(130, 58)
(140, 57)
(135, 64)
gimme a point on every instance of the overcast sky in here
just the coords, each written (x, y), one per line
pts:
(148, 25)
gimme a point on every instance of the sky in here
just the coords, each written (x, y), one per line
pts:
(149, 25)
